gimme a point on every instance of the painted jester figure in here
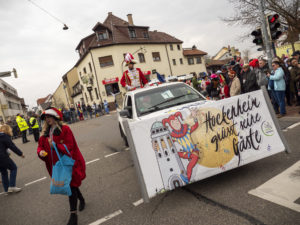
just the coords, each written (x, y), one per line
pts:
(181, 133)
(132, 78)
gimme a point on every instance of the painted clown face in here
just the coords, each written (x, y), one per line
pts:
(175, 124)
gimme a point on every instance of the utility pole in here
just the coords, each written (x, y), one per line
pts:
(265, 33)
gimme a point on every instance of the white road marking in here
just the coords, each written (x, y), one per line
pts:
(137, 203)
(282, 189)
(38, 180)
(127, 149)
(111, 154)
(285, 130)
(2, 193)
(106, 218)
(95, 160)
(293, 125)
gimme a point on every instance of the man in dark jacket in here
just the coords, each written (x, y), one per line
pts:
(261, 73)
(84, 110)
(248, 80)
(90, 111)
(6, 163)
(295, 79)
(34, 124)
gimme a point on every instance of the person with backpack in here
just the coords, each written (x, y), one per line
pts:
(55, 131)
(6, 163)
(214, 88)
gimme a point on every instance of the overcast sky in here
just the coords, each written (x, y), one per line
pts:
(35, 44)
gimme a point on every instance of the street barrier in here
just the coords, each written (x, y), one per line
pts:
(193, 142)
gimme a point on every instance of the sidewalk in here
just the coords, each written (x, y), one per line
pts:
(293, 111)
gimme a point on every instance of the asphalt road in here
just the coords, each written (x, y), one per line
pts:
(111, 188)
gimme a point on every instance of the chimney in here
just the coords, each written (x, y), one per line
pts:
(109, 13)
(130, 20)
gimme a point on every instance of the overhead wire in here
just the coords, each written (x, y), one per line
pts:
(47, 12)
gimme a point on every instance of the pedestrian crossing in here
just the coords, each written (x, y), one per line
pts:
(283, 189)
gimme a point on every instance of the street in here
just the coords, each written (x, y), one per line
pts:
(112, 193)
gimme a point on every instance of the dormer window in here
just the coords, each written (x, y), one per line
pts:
(102, 36)
(132, 33)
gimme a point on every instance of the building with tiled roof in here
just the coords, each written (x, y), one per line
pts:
(101, 55)
(44, 103)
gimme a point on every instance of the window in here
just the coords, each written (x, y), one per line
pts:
(129, 105)
(178, 47)
(141, 57)
(171, 47)
(177, 94)
(198, 60)
(12, 105)
(106, 61)
(132, 33)
(112, 88)
(191, 61)
(181, 61)
(145, 34)
(102, 36)
(84, 70)
(91, 95)
(90, 67)
(156, 56)
(76, 89)
(97, 96)
(174, 62)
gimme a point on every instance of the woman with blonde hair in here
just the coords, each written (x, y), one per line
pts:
(234, 84)
(6, 163)
(55, 131)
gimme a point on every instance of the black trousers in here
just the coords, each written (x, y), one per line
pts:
(73, 199)
(24, 137)
(36, 134)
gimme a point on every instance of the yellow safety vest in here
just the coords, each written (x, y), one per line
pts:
(22, 124)
(36, 125)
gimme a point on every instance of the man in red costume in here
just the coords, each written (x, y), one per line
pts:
(132, 78)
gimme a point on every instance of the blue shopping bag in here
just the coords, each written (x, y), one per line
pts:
(61, 173)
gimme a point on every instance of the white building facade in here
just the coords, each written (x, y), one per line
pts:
(10, 102)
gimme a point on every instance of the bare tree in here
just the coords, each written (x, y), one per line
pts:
(247, 14)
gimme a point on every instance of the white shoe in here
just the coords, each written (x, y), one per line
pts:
(14, 189)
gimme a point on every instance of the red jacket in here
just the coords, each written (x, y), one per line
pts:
(125, 77)
(66, 137)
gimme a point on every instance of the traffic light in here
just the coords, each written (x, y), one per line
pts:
(257, 36)
(274, 24)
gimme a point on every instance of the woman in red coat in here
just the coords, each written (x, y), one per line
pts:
(54, 130)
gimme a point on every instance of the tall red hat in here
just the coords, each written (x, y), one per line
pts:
(52, 112)
(129, 59)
